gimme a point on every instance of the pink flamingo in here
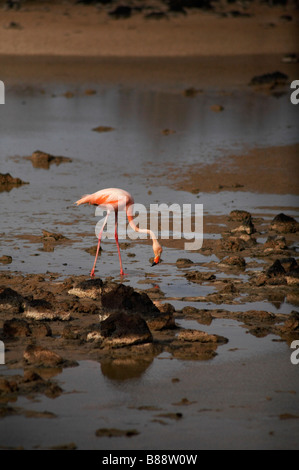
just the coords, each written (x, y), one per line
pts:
(117, 199)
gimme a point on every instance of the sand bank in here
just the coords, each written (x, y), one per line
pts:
(50, 41)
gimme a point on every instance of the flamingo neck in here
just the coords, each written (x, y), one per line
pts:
(141, 230)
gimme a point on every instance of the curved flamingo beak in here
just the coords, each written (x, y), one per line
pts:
(156, 260)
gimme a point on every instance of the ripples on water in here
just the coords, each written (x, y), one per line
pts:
(136, 156)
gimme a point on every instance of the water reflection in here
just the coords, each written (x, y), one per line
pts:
(125, 368)
(133, 156)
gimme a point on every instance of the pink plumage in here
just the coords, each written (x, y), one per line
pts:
(115, 199)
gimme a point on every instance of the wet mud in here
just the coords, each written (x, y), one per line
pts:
(49, 324)
(200, 346)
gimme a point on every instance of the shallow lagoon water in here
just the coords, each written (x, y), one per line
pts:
(135, 156)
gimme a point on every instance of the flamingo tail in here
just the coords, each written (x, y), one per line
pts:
(84, 199)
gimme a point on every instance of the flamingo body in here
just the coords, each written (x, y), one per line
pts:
(117, 199)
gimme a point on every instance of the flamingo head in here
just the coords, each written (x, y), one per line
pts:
(157, 252)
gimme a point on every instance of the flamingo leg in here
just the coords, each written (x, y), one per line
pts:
(99, 244)
(118, 249)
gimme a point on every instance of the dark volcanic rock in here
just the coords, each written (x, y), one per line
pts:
(284, 223)
(16, 328)
(118, 297)
(292, 323)
(276, 269)
(184, 262)
(10, 300)
(91, 288)
(42, 357)
(38, 355)
(232, 244)
(200, 315)
(121, 11)
(114, 297)
(195, 345)
(239, 215)
(238, 261)
(5, 259)
(156, 15)
(273, 78)
(292, 277)
(289, 264)
(246, 226)
(275, 243)
(121, 297)
(41, 309)
(41, 159)
(290, 329)
(54, 237)
(7, 180)
(123, 329)
(197, 276)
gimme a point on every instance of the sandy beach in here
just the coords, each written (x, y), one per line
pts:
(49, 41)
(189, 106)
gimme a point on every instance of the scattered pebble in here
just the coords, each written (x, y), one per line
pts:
(217, 108)
(5, 259)
(7, 181)
(42, 159)
(103, 129)
(113, 432)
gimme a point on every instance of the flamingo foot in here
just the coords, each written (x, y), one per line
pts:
(92, 273)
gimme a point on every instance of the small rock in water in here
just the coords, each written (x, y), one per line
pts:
(191, 92)
(197, 335)
(42, 159)
(292, 323)
(284, 223)
(38, 355)
(51, 236)
(275, 243)
(182, 262)
(276, 269)
(103, 129)
(234, 261)
(246, 226)
(217, 108)
(167, 131)
(273, 78)
(5, 259)
(7, 181)
(239, 215)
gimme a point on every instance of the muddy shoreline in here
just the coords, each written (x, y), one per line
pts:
(245, 273)
(48, 324)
